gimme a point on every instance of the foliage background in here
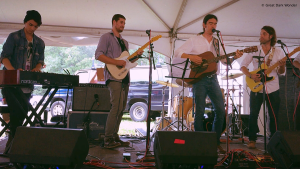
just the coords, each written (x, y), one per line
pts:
(70, 59)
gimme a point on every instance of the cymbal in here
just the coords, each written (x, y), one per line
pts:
(232, 76)
(185, 84)
(167, 83)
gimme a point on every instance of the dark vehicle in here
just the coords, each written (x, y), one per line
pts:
(137, 102)
(58, 102)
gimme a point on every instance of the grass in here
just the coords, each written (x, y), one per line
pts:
(128, 126)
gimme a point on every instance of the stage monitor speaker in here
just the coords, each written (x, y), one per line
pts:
(49, 147)
(173, 148)
(284, 148)
(84, 97)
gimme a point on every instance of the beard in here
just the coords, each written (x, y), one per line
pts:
(264, 41)
(120, 29)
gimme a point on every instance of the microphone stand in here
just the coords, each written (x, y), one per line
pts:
(262, 75)
(293, 67)
(228, 63)
(148, 156)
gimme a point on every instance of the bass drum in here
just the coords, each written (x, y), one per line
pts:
(188, 103)
(207, 121)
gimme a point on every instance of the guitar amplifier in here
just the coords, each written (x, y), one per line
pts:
(84, 97)
(76, 120)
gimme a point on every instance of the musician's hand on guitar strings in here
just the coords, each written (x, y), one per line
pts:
(120, 63)
(195, 59)
(238, 54)
(281, 63)
(140, 52)
(255, 77)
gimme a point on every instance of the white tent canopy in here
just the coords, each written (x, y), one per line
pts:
(82, 22)
(240, 21)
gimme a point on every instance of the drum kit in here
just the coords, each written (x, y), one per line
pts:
(184, 108)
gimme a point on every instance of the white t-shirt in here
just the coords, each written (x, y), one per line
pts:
(195, 45)
(273, 85)
(297, 58)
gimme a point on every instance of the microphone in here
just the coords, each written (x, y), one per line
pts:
(281, 43)
(96, 98)
(148, 31)
(214, 30)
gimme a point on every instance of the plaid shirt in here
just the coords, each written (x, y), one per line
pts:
(109, 46)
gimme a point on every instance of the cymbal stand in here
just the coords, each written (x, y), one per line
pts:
(178, 121)
(234, 122)
(161, 121)
(240, 118)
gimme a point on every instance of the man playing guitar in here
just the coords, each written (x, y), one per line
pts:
(110, 46)
(271, 55)
(208, 85)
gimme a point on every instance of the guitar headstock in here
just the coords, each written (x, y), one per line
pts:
(251, 49)
(155, 38)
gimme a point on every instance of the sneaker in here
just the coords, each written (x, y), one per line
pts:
(251, 145)
(123, 143)
(110, 143)
(221, 150)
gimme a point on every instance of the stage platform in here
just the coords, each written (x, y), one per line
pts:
(114, 157)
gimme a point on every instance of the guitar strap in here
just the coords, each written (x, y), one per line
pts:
(216, 46)
(270, 57)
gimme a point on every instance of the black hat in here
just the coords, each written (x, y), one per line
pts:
(33, 15)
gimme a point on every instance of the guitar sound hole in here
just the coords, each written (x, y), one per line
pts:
(119, 67)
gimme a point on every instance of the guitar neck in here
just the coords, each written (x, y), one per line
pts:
(133, 56)
(269, 70)
(216, 59)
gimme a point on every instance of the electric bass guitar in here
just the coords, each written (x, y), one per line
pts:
(209, 65)
(257, 86)
(119, 72)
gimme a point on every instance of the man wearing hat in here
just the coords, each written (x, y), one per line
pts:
(24, 51)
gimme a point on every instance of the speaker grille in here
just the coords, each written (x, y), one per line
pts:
(83, 98)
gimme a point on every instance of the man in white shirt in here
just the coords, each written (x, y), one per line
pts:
(296, 61)
(208, 85)
(271, 55)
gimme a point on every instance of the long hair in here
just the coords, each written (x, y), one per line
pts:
(116, 17)
(206, 18)
(271, 31)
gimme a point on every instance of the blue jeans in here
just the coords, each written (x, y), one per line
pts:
(18, 107)
(256, 100)
(209, 86)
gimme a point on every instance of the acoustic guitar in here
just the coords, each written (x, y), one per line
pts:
(209, 65)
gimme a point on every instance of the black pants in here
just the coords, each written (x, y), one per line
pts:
(18, 106)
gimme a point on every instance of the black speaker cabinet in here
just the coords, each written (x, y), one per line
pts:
(49, 146)
(284, 148)
(84, 97)
(173, 148)
(76, 120)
